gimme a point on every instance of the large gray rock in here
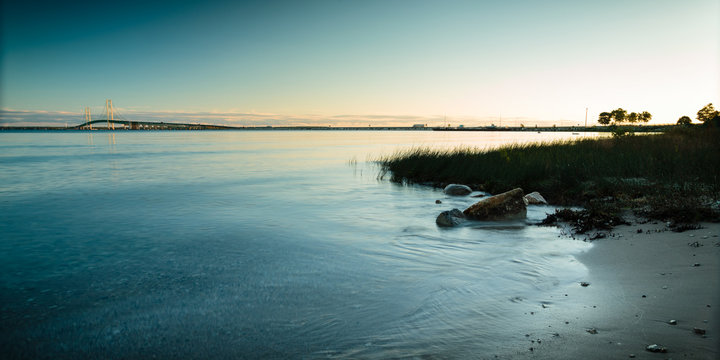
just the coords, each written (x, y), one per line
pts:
(534, 198)
(506, 206)
(457, 189)
(450, 218)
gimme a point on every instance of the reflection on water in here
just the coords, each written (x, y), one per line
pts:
(256, 244)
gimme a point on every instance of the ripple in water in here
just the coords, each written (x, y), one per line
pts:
(254, 244)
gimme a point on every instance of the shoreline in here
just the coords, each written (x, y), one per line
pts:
(638, 282)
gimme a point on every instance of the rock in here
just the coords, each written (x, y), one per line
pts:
(506, 206)
(672, 322)
(656, 348)
(457, 190)
(534, 198)
(584, 284)
(699, 331)
(438, 202)
(450, 218)
(592, 331)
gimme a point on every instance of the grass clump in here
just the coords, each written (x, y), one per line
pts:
(661, 175)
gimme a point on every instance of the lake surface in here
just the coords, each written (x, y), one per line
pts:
(259, 244)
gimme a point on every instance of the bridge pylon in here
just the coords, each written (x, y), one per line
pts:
(110, 113)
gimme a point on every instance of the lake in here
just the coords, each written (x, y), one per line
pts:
(260, 244)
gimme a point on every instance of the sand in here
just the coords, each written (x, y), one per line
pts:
(638, 282)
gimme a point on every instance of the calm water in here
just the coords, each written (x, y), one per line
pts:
(257, 244)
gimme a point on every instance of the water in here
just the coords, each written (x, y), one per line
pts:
(269, 244)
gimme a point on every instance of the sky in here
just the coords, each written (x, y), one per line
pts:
(340, 62)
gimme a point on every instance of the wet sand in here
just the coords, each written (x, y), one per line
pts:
(637, 283)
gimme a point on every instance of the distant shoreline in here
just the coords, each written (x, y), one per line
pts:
(178, 126)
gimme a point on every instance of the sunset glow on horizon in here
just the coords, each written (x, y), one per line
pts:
(359, 63)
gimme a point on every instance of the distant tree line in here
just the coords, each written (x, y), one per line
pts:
(706, 115)
(620, 115)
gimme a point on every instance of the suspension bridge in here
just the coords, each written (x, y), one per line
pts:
(111, 119)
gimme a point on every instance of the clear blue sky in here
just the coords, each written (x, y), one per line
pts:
(359, 62)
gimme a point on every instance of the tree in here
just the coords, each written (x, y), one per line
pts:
(604, 118)
(645, 116)
(633, 117)
(619, 115)
(684, 120)
(707, 113)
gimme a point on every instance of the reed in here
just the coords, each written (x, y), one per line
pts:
(682, 161)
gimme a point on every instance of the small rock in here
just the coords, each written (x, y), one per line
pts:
(457, 190)
(592, 331)
(450, 218)
(672, 322)
(632, 356)
(664, 287)
(534, 198)
(696, 264)
(639, 231)
(656, 348)
(644, 296)
(584, 284)
(438, 202)
(699, 331)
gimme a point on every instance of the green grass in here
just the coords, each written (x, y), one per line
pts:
(684, 162)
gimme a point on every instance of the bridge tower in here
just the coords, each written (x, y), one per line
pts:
(110, 114)
(88, 118)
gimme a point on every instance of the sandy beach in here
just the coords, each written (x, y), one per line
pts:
(639, 279)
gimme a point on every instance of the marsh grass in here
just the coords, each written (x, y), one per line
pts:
(629, 169)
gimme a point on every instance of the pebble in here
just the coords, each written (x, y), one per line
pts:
(632, 356)
(438, 202)
(696, 264)
(672, 322)
(644, 296)
(656, 348)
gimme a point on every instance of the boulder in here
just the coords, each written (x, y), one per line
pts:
(450, 218)
(506, 206)
(534, 198)
(457, 189)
